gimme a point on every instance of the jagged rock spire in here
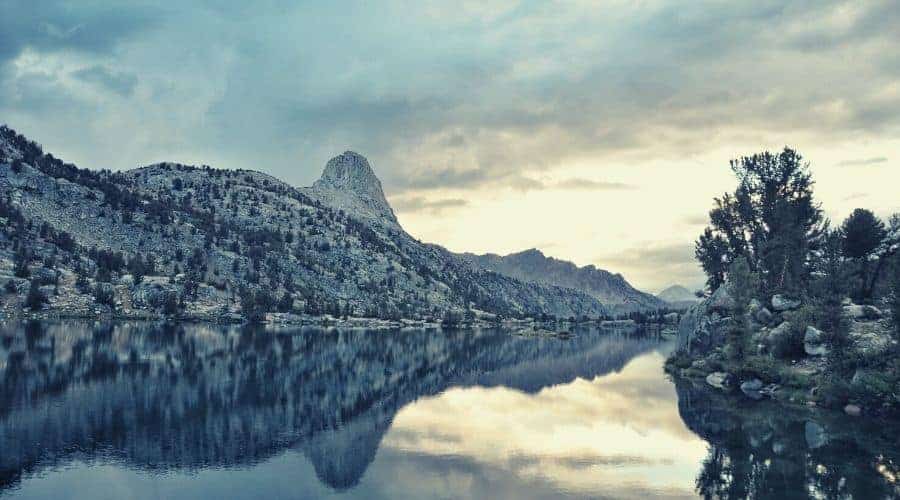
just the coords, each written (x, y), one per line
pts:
(355, 185)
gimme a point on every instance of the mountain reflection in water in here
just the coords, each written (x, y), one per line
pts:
(144, 410)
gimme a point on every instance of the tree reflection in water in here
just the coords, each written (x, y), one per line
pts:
(164, 397)
(768, 450)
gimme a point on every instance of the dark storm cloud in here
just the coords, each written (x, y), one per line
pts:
(52, 25)
(441, 96)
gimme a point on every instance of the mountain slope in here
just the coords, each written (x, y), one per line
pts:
(533, 266)
(201, 242)
(677, 293)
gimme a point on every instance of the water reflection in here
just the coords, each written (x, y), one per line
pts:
(192, 411)
(766, 450)
(190, 397)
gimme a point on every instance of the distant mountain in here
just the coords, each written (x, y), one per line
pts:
(678, 297)
(612, 290)
(677, 293)
(207, 243)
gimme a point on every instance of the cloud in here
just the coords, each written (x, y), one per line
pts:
(120, 83)
(654, 266)
(863, 162)
(696, 220)
(855, 196)
(419, 204)
(589, 185)
(449, 100)
(55, 25)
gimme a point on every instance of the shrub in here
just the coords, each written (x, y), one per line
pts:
(872, 388)
(834, 391)
(35, 299)
(764, 368)
(104, 294)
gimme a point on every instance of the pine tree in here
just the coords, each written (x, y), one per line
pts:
(862, 233)
(35, 299)
(742, 286)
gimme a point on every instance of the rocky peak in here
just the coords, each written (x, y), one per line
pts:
(351, 173)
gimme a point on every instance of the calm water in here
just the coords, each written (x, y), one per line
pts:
(145, 411)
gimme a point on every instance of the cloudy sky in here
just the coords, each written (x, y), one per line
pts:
(595, 131)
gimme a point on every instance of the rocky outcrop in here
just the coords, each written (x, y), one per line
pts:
(704, 325)
(814, 342)
(349, 183)
(782, 303)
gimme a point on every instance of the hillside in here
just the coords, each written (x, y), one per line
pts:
(534, 267)
(206, 243)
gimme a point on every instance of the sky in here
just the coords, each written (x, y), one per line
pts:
(597, 132)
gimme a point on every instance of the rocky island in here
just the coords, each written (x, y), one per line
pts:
(796, 310)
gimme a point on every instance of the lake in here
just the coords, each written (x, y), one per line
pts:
(184, 411)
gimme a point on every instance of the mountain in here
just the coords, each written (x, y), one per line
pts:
(533, 266)
(677, 294)
(205, 243)
(349, 183)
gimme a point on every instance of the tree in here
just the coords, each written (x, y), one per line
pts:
(35, 299)
(255, 304)
(770, 219)
(830, 292)
(895, 301)
(712, 252)
(137, 268)
(20, 266)
(742, 286)
(863, 232)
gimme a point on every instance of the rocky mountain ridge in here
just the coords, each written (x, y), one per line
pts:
(534, 267)
(207, 243)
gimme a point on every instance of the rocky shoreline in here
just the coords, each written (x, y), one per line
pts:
(801, 377)
(521, 327)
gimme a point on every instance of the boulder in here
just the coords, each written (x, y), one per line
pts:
(853, 410)
(815, 349)
(815, 435)
(782, 303)
(672, 317)
(751, 388)
(763, 316)
(813, 335)
(721, 300)
(813, 342)
(776, 334)
(719, 380)
(700, 330)
(862, 313)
